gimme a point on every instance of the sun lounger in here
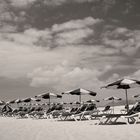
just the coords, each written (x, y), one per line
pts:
(90, 109)
(109, 118)
(112, 118)
(55, 111)
(107, 110)
(74, 111)
(134, 118)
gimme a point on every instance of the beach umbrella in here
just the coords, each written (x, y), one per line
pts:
(77, 103)
(124, 84)
(80, 92)
(91, 101)
(11, 102)
(18, 101)
(27, 100)
(35, 99)
(137, 97)
(112, 98)
(14, 101)
(48, 96)
(2, 102)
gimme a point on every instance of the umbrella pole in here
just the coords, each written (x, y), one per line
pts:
(113, 106)
(127, 100)
(49, 102)
(80, 99)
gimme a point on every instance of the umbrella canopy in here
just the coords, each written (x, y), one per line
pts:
(76, 103)
(11, 102)
(14, 101)
(48, 96)
(27, 100)
(18, 101)
(2, 102)
(112, 98)
(91, 101)
(136, 96)
(37, 100)
(80, 92)
(124, 84)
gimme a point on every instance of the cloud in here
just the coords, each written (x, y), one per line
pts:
(9, 19)
(73, 37)
(136, 74)
(76, 24)
(8, 28)
(60, 56)
(125, 40)
(63, 78)
(29, 36)
(54, 2)
(27, 3)
(5, 14)
(18, 58)
(21, 3)
(68, 33)
(74, 31)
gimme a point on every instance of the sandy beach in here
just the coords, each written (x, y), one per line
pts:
(51, 129)
(27, 129)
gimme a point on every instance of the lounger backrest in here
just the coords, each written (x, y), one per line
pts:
(59, 107)
(82, 108)
(106, 108)
(7, 109)
(91, 107)
(74, 109)
(134, 109)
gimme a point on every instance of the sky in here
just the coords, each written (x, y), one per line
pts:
(59, 45)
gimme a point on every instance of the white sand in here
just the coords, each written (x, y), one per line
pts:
(28, 129)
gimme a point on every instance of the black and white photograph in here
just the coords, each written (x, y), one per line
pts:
(69, 69)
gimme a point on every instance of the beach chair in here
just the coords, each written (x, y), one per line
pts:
(134, 118)
(84, 115)
(36, 113)
(128, 117)
(70, 115)
(97, 114)
(56, 112)
(107, 109)
(65, 114)
(7, 111)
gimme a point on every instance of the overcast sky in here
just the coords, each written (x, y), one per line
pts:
(58, 45)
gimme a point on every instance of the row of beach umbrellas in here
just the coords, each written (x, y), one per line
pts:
(120, 84)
